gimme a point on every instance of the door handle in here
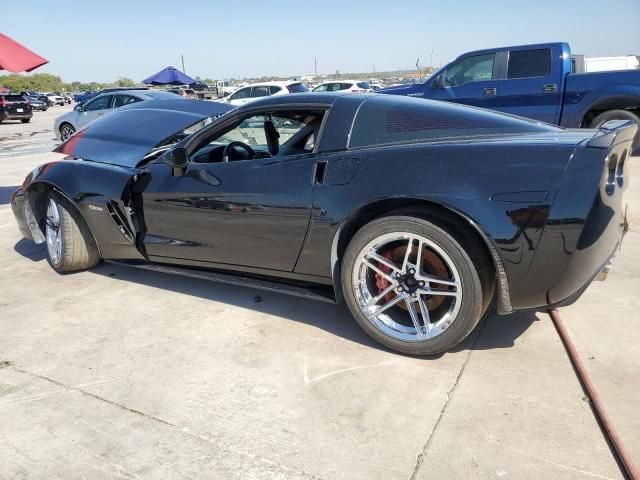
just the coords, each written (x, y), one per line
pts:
(99, 114)
(490, 91)
(549, 87)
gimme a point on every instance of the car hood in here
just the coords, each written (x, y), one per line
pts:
(124, 137)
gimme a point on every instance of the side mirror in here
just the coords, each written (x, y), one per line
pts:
(438, 82)
(78, 108)
(177, 159)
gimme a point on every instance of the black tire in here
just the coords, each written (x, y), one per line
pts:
(25, 120)
(78, 248)
(472, 304)
(604, 117)
(64, 128)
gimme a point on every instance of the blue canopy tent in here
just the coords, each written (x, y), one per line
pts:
(169, 76)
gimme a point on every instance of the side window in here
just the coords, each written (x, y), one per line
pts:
(259, 92)
(335, 87)
(240, 94)
(297, 132)
(274, 89)
(380, 121)
(99, 103)
(321, 88)
(470, 69)
(529, 63)
(122, 100)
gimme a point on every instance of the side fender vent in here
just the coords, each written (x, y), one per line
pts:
(119, 219)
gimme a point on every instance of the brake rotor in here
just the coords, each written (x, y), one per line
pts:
(431, 264)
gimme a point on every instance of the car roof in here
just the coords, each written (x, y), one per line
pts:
(342, 81)
(279, 83)
(308, 98)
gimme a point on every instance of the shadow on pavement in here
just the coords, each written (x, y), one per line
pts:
(494, 331)
(5, 194)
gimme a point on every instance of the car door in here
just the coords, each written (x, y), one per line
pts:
(471, 80)
(531, 85)
(250, 213)
(93, 109)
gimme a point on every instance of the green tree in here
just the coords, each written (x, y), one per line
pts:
(124, 82)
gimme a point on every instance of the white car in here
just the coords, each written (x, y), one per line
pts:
(55, 99)
(69, 123)
(254, 92)
(353, 86)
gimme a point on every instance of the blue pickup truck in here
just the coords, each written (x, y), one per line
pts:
(534, 81)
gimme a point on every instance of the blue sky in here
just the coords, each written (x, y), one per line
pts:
(220, 39)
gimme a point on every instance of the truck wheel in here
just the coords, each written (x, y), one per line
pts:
(604, 117)
(70, 244)
(411, 285)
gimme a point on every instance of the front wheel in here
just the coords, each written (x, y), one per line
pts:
(25, 120)
(411, 285)
(70, 245)
(66, 131)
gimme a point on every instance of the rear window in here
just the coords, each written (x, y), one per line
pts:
(14, 98)
(297, 88)
(364, 85)
(387, 120)
(274, 89)
(529, 63)
(162, 95)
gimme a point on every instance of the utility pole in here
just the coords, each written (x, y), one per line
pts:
(374, 69)
(182, 57)
(315, 65)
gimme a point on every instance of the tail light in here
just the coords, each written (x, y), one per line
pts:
(3, 102)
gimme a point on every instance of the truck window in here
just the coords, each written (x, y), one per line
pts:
(529, 63)
(470, 69)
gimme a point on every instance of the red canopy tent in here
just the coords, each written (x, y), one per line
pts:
(18, 58)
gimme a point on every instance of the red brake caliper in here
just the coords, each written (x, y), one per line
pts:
(381, 282)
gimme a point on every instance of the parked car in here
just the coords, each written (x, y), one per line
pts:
(534, 81)
(40, 96)
(37, 104)
(55, 99)
(418, 214)
(352, 86)
(14, 107)
(88, 95)
(66, 125)
(250, 93)
(67, 97)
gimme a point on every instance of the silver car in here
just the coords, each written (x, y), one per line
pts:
(69, 123)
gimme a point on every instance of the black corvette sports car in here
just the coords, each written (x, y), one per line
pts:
(418, 214)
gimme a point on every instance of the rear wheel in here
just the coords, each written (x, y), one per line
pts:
(604, 117)
(25, 120)
(66, 131)
(411, 285)
(70, 245)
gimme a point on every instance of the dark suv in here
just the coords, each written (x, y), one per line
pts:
(14, 107)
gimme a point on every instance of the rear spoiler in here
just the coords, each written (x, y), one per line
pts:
(614, 132)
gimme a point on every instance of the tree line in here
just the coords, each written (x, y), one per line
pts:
(46, 82)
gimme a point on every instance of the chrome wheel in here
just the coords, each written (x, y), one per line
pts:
(53, 230)
(66, 131)
(407, 286)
